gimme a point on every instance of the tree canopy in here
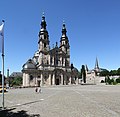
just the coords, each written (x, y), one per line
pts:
(83, 73)
(110, 73)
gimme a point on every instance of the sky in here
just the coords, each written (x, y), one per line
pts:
(93, 30)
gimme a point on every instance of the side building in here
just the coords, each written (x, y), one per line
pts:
(50, 66)
(93, 76)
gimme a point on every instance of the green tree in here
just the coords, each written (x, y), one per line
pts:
(16, 81)
(113, 72)
(107, 80)
(112, 81)
(79, 75)
(118, 71)
(1, 79)
(104, 73)
(118, 80)
(83, 73)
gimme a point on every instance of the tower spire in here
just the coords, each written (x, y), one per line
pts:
(43, 22)
(96, 64)
(64, 39)
(43, 36)
(64, 31)
(43, 14)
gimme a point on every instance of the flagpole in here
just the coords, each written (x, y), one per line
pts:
(2, 81)
(3, 68)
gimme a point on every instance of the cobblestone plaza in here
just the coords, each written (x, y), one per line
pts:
(66, 101)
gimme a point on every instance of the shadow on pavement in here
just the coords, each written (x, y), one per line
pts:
(10, 113)
(26, 103)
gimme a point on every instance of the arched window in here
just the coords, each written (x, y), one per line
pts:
(45, 78)
(50, 60)
(44, 45)
(47, 62)
(44, 36)
(31, 77)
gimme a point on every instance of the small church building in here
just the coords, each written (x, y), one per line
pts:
(93, 76)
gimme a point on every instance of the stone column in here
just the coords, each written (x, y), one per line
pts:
(24, 79)
(49, 60)
(64, 62)
(65, 80)
(77, 81)
(53, 61)
(70, 81)
(53, 81)
(35, 80)
(60, 61)
(27, 80)
(61, 79)
(41, 83)
(49, 79)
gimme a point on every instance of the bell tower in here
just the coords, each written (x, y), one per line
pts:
(64, 42)
(64, 45)
(43, 41)
(96, 65)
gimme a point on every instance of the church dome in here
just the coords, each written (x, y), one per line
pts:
(29, 64)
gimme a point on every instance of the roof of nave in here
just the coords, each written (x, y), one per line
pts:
(97, 70)
(16, 74)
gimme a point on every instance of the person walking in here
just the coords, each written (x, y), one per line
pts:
(36, 89)
(39, 90)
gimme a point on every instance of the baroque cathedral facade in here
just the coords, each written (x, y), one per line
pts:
(50, 66)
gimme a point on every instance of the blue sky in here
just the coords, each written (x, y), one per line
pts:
(93, 29)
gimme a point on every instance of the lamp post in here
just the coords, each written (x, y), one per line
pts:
(2, 34)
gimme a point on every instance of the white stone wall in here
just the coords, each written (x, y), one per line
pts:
(90, 78)
(24, 79)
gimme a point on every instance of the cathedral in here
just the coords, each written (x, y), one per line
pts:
(50, 66)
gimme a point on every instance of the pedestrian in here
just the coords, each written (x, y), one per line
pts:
(39, 90)
(36, 89)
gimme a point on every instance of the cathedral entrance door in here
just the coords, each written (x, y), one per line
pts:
(57, 81)
(57, 76)
(38, 83)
